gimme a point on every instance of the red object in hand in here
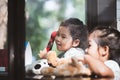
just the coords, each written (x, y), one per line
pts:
(51, 41)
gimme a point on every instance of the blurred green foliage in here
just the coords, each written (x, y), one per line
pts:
(44, 16)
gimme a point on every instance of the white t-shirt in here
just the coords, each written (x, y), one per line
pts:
(74, 52)
(114, 66)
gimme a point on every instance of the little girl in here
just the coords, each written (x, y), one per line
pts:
(103, 56)
(71, 38)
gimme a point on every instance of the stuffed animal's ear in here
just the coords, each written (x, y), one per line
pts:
(52, 58)
(74, 62)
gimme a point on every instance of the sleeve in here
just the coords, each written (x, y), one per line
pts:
(114, 67)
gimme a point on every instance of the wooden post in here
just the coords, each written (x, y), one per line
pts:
(16, 39)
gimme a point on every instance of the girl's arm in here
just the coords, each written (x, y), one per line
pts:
(98, 67)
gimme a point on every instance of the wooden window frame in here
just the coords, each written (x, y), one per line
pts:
(16, 39)
(101, 12)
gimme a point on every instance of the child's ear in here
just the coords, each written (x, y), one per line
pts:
(105, 52)
(76, 42)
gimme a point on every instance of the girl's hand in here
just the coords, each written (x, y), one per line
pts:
(81, 59)
(43, 54)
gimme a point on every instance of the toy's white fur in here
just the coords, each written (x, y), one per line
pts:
(35, 67)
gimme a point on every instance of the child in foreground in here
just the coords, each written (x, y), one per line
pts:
(103, 52)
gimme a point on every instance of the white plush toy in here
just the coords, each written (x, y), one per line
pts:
(35, 67)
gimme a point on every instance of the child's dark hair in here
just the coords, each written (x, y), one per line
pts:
(109, 37)
(77, 30)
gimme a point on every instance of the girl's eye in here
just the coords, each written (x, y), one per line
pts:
(63, 37)
(89, 45)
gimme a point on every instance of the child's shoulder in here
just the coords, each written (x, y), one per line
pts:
(74, 52)
(111, 63)
(78, 50)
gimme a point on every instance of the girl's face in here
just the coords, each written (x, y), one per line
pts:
(63, 39)
(93, 48)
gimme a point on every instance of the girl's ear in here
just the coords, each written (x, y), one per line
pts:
(105, 52)
(76, 42)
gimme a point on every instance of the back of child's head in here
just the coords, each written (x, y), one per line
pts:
(106, 36)
(77, 30)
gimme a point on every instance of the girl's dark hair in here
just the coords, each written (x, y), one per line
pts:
(77, 30)
(109, 37)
